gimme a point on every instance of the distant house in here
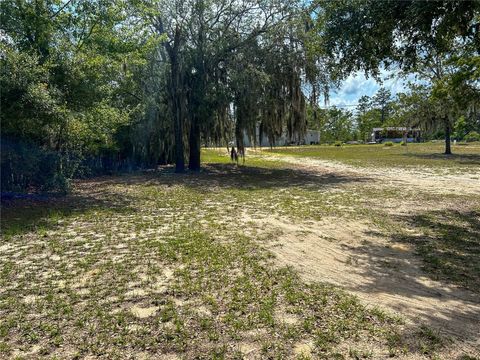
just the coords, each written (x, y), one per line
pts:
(311, 137)
(396, 134)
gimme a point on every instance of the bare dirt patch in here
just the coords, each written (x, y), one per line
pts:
(176, 265)
(143, 312)
(303, 348)
(356, 256)
(425, 178)
(391, 276)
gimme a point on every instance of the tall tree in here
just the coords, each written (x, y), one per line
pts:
(63, 89)
(382, 100)
(211, 48)
(367, 34)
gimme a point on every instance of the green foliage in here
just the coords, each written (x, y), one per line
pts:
(67, 89)
(363, 34)
(118, 84)
(435, 40)
(338, 143)
(24, 166)
(472, 136)
(110, 86)
(383, 102)
(377, 111)
(388, 143)
(460, 128)
(334, 124)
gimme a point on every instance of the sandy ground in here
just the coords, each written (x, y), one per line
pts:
(425, 178)
(384, 274)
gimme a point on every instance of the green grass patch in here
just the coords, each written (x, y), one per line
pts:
(410, 156)
(162, 263)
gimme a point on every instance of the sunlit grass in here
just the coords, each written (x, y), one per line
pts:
(173, 275)
(165, 263)
(465, 156)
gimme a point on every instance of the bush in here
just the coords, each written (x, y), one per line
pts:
(472, 136)
(403, 143)
(388, 143)
(26, 167)
(337, 143)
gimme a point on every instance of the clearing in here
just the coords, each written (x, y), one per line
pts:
(309, 252)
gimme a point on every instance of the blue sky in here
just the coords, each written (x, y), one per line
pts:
(357, 85)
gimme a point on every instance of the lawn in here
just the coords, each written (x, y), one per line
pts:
(465, 156)
(203, 265)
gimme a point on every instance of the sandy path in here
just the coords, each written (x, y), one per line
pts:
(379, 271)
(423, 177)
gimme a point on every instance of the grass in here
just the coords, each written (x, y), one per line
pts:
(426, 155)
(108, 283)
(447, 240)
(450, 245)
(161, 263)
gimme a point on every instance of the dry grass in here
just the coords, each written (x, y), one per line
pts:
(177, 265)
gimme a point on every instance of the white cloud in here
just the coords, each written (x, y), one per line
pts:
(357, 85)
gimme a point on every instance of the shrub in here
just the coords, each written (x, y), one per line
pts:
(388, 143)
(472, 136)
(26, 167)
(338, 143)
(403, 143)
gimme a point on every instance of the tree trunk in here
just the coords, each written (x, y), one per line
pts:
(198, 96)
(448, 150)
(194, 145)
(179, 159)
(178, 119)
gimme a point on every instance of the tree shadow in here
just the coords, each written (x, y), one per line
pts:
(467, 159)
(238, 177)
(450, 248)
(20, 215)
(391, 271)
(27, 213)
(441, 285)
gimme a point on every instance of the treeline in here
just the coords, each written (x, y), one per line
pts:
(72, 99)
(413, 109)
(437, 42)
(94, 86)
(90, 87)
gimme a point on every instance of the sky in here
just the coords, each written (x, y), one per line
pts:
(357, 85)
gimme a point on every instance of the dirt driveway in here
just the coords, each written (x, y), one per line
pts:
(381, 272)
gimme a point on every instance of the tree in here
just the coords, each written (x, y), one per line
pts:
(62, 84)
(451, 96)
(413, 35)
(366, 122)
(364, 104)
(366, 34)
(247, 56)
(382, 100)
(337, 125)
(414, 109)
(366, 117)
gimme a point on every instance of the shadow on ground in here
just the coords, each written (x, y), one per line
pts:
(467, 159)
(440, 286)
(241, 177)
(449, 245)
(24, 214)
(19, 216)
